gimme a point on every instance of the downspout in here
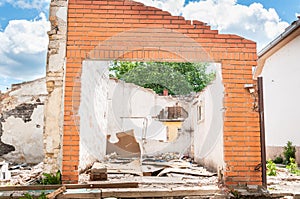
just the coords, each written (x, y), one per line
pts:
(262, 131)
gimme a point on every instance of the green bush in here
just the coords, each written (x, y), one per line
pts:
(51, 178)
(271, 168)
(293, 167)
(278, 160)
(289, 152)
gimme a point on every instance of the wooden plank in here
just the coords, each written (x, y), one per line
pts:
(174, 163)
(148, 180)
(144, 192)
(158, 180)
(71, 186)
(56, 192)
(186, 172)
(124, 171)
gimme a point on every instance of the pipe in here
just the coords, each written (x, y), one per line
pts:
(262, 131)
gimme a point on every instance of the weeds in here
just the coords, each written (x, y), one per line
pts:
(28, 196)
(235, 194)
(293, 167)
(51, 178)
(271, 168)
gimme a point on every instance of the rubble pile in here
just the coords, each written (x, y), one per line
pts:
(165, 170)
(21, 174)
(284, 182)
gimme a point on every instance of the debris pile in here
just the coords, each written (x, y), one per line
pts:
(284, 183)
(169, 169)
(21, 174)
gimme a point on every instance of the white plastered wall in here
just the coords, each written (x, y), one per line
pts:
(281, 82)
(281, 74)
(208, 134)
(93, 112)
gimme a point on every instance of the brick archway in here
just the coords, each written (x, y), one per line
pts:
(91, 24)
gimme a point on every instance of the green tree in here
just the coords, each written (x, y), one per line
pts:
(289, 152)
(178, 78)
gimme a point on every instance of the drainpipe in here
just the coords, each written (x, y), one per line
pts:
(262, 131)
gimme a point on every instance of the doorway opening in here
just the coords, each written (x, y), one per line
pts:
(133, 131)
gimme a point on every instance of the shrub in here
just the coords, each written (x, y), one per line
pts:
(293, 167)
(289, 152)
(278, 160)
(51, 178)
(271, 168)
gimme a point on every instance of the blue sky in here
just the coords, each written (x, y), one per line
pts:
(285, 9)
(24, 25)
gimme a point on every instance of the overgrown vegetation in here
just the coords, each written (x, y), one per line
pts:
(278, 160)
(177, 78)
(49, 178)
(235, 194)
(271, 168)
(293, 167)
(29, 196)
(289, 152)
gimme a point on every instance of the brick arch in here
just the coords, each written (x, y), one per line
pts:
(91, 23)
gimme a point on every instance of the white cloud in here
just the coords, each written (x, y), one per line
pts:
(252, 22)
(23, 48)
(173, 6)
(28, 4)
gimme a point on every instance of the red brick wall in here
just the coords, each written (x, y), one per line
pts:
(116, 29)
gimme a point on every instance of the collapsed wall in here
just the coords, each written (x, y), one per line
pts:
(22, 122)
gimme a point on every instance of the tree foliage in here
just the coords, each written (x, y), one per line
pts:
(289, 152)
(178, 78)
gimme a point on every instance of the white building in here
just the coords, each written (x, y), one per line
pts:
(279, 65)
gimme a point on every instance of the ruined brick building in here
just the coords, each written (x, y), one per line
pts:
(89, 33)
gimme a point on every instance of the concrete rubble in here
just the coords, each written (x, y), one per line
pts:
(22, 174)
(173, 170)
(170, 171)
(165, 171)
(284, 183)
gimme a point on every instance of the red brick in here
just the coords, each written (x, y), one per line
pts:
(92, 22)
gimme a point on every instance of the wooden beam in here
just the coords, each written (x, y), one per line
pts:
(71, 186)
(142, 192)
(56, 192)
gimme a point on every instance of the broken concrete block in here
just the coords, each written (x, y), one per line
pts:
(98, 172)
